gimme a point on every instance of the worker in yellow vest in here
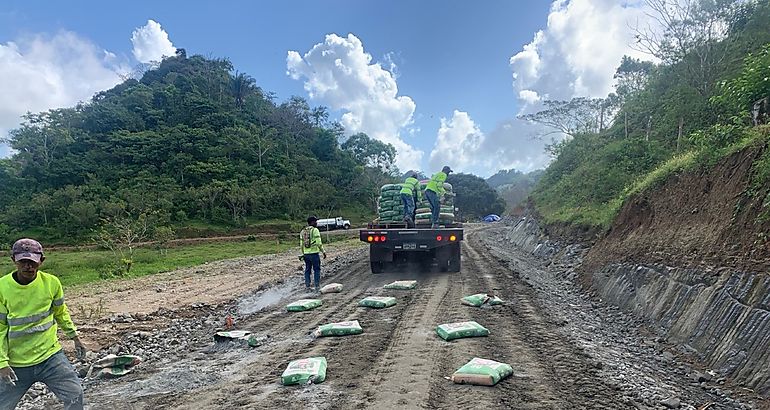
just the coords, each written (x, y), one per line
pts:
(434, 191)
(31, 307)
(410, 194)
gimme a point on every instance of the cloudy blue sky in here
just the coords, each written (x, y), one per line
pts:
(443, 81)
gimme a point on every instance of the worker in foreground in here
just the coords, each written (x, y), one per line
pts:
(410, 194)
(31, 307)
(434, 192)
(310, 242)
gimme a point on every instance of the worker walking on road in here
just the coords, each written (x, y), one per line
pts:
(410, 194)
(31, 307)
(434, 192)
(310, 242)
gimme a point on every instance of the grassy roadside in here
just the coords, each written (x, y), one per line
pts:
(80, 267)
(572, 204)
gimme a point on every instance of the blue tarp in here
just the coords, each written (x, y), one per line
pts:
(491, 218)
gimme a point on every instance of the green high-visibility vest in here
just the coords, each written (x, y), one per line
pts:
(410, 186)
(29, 315)
(436, 183)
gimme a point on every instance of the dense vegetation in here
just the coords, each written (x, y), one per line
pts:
(692, 108)
(190, 143)
(475, 198)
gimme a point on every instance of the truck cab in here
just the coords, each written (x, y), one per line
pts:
(333, 223)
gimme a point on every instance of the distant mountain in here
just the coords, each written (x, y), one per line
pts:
(514, 186)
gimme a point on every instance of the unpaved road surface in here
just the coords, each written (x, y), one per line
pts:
(566, 352)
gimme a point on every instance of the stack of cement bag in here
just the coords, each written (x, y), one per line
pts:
(390, 208)
(447, 213)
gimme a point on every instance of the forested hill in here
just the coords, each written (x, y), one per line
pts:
(192, 140)
(699, 104)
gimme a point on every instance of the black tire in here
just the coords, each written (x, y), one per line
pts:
(346, 226)
(377, 267)
(454, 264)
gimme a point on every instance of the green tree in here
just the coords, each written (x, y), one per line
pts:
(474, 197)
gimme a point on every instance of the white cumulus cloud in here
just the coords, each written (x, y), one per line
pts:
(151, 43)
(457, 142)
(40, 72)
(462, 145)
(576, 54)
(578, 51)
(339, 73)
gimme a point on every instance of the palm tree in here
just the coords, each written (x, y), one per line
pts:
(242, 85)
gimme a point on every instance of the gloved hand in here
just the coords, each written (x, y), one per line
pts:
(80, 349)
(8, 376)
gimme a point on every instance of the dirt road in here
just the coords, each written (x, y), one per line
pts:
(399, 361)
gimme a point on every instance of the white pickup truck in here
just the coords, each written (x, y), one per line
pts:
(333, 223)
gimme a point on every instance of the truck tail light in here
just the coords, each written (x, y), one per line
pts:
(439, 238)
(370, 238)
(452, 238)
(382, 238)
(376, 238)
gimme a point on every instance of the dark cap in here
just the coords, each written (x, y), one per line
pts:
(311, 219)
(446, 169)
(27, 249)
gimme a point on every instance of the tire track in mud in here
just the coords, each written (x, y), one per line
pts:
(549, 370)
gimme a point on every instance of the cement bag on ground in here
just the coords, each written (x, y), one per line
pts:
(339, 329)
(303, 305)
(450, 331)
(390, 188)
(482, 372)
(480, 299)
(377, 302)
(402, 284)
(332, 288)
(305, 371)
(112, 365)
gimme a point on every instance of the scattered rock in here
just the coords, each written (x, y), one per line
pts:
(671, 403)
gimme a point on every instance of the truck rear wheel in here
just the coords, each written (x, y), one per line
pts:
(377, 267)
(454, 258)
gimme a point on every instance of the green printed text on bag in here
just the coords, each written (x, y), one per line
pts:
(450, 331)
(339, 329)
(303, 305)
(305, 371)
(402, 284)
(482, 372)
(377, 302)
(480, 299)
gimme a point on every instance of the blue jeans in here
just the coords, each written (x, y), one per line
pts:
(435, 205)
(56, 372)
(408, 201)
(312, 260)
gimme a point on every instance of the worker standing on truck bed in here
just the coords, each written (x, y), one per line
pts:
(434, 192)
(310, 243)
(31, 307)
(410, 194)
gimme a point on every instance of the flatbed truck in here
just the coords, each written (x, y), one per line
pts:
(391, 245)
